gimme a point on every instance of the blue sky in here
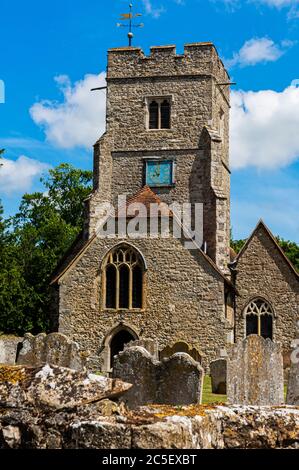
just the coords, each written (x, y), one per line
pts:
(53, 52)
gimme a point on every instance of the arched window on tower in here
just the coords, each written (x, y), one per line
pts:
(123, 279)
(259, 318)
(159, 110)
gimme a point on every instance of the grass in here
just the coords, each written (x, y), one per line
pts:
(208, 396)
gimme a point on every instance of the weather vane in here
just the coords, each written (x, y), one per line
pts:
(130, 17)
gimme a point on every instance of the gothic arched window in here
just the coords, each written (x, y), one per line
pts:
(259, 318)
(123, 279)
(159, 113)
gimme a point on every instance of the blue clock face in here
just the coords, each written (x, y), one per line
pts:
(159, 173)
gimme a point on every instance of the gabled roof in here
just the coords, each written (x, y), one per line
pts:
(73, 251)
(262, 225)
(146, 196)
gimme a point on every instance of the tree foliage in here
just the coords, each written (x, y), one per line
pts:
(33, 241)
(291, 249)
(237, 245)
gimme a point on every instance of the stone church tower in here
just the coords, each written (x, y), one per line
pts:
(166, 141)
(168, 108)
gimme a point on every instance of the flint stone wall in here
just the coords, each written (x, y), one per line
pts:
(8, 349)
(218, 370)
(169, 295)
(255, 372)
(263, 272)
(177, 380)
(54, 349)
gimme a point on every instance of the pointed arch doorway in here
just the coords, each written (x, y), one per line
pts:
(115, 342)
(118, 342)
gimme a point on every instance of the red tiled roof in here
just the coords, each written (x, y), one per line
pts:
(150, 201)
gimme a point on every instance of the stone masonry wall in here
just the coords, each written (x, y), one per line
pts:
(184, 300)
(191, 80)
(262, 272)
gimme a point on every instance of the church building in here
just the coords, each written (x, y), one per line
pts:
(166, 142)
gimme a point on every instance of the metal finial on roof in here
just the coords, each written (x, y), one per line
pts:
(130, 25)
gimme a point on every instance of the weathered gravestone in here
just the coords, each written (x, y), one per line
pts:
(255, 372)
(149, 344)
(218, 376)
(293, 383)
(177, 380)
(54, 349)
(139, 368)
(8, 349)
(286, 363)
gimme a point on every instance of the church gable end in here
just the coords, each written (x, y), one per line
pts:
(267, 284)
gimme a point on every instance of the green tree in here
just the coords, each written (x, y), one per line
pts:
(237, 245)
(67, 188)
(15, 297)
(291, 249)
(42, 230)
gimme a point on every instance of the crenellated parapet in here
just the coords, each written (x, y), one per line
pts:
(197, 59)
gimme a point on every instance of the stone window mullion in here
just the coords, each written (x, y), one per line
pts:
(117, 288)
(159, 115)
(259, 325)
(154, 113)
(130, 288)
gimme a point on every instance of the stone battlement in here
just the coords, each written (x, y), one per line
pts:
(197, 59)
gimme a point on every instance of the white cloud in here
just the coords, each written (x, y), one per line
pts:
(264, 128)
(18, 175)
(271, 3)
(21, 142)
(264, 124)
(258, 50)
(80, 119)
(278, 3)
(150, 9)
(291, 5)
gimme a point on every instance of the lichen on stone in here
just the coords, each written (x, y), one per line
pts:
(12, 374)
